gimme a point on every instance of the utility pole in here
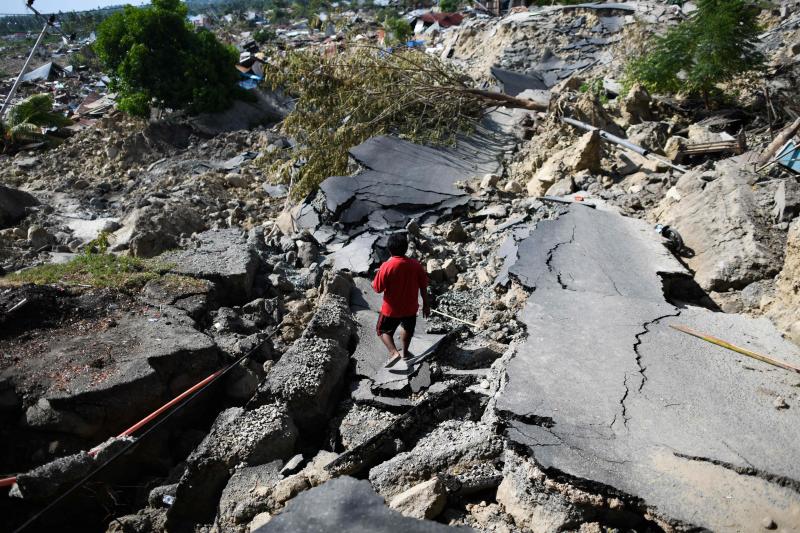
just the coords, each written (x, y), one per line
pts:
(49, 22)
(14, 87)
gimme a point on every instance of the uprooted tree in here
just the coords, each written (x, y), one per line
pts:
(343, 99)
(716, 44)
(155, 59)
(26, 120)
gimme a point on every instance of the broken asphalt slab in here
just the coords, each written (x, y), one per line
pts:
(346, 505)
(224, 256)
(620, 399)
(402, 180)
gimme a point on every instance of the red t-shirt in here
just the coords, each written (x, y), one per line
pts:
(400, 279)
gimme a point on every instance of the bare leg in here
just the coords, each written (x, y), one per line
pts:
(388, 341)
(405, 338)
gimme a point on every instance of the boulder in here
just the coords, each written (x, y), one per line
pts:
(245, 496)
(723, 224)
(252, 437)
(455, 233)
(12, 205)
(148, 231)
(424, 501)
(455, 450)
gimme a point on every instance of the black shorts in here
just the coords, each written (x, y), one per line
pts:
(388, 324)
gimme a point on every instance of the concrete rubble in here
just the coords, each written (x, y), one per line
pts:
(558, 399)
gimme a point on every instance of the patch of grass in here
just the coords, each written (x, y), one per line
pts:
(95, 270)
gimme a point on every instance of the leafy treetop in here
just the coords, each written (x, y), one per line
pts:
(155, 58)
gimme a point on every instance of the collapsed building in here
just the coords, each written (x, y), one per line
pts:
(563, 395)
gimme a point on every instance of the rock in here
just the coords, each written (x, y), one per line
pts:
(780, 403)
(254, 437)
(723, 224)
(450, 269)
(451, 450)
(346, 505)
(584, 154)
(413, 228)
(423, 501)
(149, 231)
(259, 520)
(38, 237)
(47, 480)
(12, 205)
(362, 422)
(674, 146)
(768, 523)
(224, 257)
(455, 233)
(635, 107)
(787, 201)
(489, 181)
(309, 376)
(534, 505)
(245, 496)
(292, 466)
(233, 179)
(649, 135)
(513, 187)
(337, 283)
(290, 487)
(784, 310)
(435, 271)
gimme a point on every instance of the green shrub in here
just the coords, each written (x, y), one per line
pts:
(716, 44)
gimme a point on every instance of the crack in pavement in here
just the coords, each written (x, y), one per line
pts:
(646, 330)
(782, 481)
(550, 255)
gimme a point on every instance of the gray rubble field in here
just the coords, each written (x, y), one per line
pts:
(603, 390)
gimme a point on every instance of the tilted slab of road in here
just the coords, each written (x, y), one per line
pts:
(604, 390)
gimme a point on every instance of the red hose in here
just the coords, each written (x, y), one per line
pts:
(8, 481)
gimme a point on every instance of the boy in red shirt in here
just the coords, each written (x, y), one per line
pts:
(400, 279)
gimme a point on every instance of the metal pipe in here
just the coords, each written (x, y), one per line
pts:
(620, 141)
(22, 72)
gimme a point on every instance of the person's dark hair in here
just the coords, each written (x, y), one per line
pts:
(398, 244)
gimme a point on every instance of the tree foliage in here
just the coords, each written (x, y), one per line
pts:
(26, 119)
(155, 58)
(344, 99)
(717, 43)
(399, 28)
(448, 6)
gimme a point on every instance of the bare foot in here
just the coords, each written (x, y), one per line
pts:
(393, 358)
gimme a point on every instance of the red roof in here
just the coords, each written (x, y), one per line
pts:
(445, 20)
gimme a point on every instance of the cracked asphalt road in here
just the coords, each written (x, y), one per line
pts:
(604, 391)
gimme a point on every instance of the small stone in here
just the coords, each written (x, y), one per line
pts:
(484, 384)
(424, 501)
(38, 237)
(261, 519)
(413, 227)
(489, 181)
(780, 403)
(513, 187)
(456, 233)
(768, 523)
(450, 269)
